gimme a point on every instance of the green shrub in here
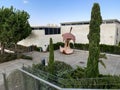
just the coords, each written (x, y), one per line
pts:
(78, 73)
(81, 46)
(25, 57)
(69, 78)
(22, 56)
(56, 46)
(61, 68)
(103, 48)
(20, 48)
(7, 57)
(12, 56)
(103, 56)
(39, 67)
(71, 45)
(110, 49)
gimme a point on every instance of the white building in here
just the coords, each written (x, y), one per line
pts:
(40, 36)
(110, 33)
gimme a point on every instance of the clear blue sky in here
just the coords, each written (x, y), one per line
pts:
(43, 12)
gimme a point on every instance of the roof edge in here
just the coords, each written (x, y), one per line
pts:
(87, 22)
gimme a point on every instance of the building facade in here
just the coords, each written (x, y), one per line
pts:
(110, 33)
(40, 36)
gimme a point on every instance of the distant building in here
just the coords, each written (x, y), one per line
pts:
(40, 36)
(110, 33)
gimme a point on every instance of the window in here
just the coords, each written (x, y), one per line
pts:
(46, 31)
(37, 28)
(59, 31)
(34, 28)
(50, 31)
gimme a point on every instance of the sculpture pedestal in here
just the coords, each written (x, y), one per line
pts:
(66, 50)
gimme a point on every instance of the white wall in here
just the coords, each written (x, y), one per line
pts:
(108, 35)
(81, 31)
(39, 39)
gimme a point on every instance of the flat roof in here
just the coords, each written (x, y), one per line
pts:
(87, 22)
(45, 27)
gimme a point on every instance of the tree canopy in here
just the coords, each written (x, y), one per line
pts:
(51, 57)
(92, 69)
(14, 26)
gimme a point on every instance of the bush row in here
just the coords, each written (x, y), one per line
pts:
(103, 48)
(20, 48)
(67, 77)
(7, 57)
(12, 56)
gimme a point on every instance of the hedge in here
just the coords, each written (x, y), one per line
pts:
(56, 45)
(12, 56)
(67, 77)
(112, 49)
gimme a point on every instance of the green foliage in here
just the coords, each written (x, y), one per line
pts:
(103, 48)
(94, 39)
(61, 69)
(51, 58)
(78, 73)
(7, 57)
(56, 46)
(81, 46)
(14, 26)
(5, 14)
(40, 67)
(19, 25)
(103, 56)
(68, 77)
(20, 48)
(37, 48)
(12, 56)
(110, 49)
(23, 57)
(102, 63)
(119, 44)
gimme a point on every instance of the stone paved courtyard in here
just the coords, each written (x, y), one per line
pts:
(78, 58)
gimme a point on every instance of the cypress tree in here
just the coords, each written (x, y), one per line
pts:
(92, 69)
(51, 57)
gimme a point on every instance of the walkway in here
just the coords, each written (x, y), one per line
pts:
(78, 58)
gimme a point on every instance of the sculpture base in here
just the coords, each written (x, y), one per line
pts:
(66, 50)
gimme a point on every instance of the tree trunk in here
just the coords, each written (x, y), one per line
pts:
(2, 48)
